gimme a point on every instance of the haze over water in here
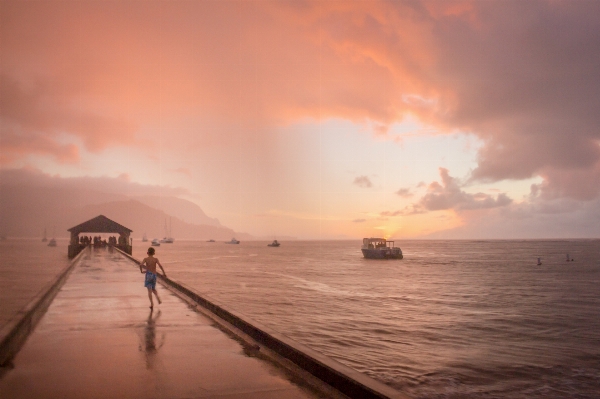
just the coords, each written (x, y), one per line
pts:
(453, 319)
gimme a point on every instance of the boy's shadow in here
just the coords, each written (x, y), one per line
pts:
(149, 345)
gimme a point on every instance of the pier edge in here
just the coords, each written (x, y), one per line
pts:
(14, 333)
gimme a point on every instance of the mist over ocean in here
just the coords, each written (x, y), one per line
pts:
(453, 319)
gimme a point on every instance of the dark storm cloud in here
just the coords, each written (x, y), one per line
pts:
(525, 80)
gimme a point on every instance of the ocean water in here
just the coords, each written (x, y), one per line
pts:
(26, 267)
(453, 319)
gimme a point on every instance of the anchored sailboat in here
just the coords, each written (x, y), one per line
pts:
(168, 238)
(52, 242)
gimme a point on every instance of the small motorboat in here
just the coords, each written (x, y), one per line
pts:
(155, 242)
(380, 248)
(275, 243)
(211, 240)
(233, 241)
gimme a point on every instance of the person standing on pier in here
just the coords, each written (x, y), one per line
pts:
(149, 264)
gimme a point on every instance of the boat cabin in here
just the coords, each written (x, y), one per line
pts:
(373, 243)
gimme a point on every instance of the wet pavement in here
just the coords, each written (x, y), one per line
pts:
(99, 339)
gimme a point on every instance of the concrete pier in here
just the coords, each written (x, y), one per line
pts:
(99, 339)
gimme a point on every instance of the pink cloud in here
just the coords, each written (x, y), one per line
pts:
(448, 195)
(363, 181)
(34, 116)
(18, 146)
(411, 209)
(581, 184)
(389, 213)
(120, 185)
(404, 193)
(183, 171)
(519, 75)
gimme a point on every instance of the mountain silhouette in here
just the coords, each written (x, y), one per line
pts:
(25, 210)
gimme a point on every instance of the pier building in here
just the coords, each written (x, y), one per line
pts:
(99, 224)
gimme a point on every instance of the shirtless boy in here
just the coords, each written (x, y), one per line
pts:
(150, 282)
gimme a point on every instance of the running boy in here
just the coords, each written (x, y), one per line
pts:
(150, 281)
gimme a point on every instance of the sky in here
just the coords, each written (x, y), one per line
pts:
(318, 119)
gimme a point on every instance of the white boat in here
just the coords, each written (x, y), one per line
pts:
(144, 238)
(167, 239)
(380, 248)
(155, 243)
(52, 242)
(233, 241)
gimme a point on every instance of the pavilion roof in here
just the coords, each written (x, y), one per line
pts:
(100, 224)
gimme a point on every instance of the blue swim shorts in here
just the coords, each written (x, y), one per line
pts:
(150, 281)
